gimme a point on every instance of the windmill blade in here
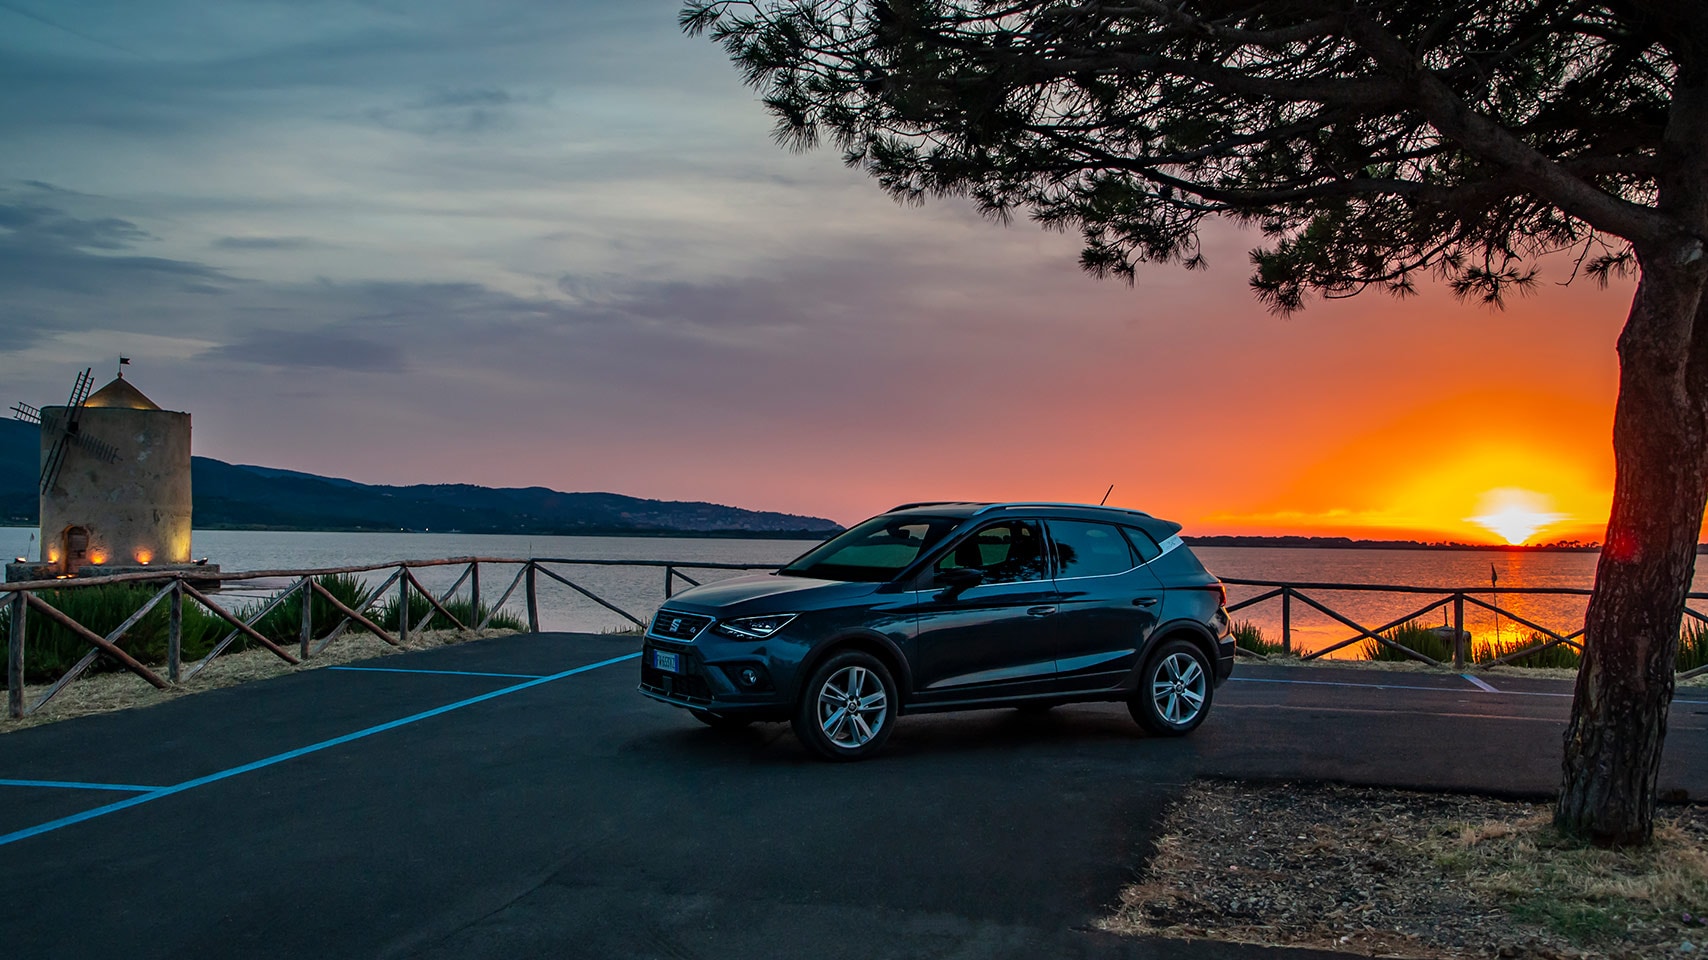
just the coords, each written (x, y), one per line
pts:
(26, 413)
(99, 449)
(73, 411)
(79, 396)
(55, 460)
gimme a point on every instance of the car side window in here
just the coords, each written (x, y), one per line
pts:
(1085, 549)
(1142, 544)
(1007, 552)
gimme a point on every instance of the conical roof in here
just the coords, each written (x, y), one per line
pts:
(121, 394)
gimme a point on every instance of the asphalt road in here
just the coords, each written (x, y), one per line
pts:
(527, 802)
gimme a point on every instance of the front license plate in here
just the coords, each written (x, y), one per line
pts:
(668, 662)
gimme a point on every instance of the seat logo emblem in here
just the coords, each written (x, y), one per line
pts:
(676, 625)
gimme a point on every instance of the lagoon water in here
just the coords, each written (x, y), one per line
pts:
(640, 590)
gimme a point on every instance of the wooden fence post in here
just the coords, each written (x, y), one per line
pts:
(474, 593)
(1459, 638)
(15, 659)
(402, 608)
(175, 632)
(305, 633)
(1287, 620)
(533, 600)
(669, 580)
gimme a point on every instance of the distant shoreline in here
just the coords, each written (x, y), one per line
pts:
(813, 535)
(1347, 543)
(1218, 540)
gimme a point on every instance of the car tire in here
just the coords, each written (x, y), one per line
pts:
(824, 722)
(718, 721)
(1175, 689)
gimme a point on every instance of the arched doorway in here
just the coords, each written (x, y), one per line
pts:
(74, 554)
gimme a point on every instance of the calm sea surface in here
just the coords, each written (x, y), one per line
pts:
(640, 590)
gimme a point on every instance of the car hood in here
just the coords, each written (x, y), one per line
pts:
(767, 593)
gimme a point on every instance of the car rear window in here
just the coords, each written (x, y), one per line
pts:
(1085, 549)
(1142, 544)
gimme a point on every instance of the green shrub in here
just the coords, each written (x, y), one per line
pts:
(1414, 634)
(283, 624)
(1692, 644)
(422, 615)
(1249, 636)
(1559, 655)
(50, 649)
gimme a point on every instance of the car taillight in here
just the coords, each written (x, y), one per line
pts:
(1222, 589)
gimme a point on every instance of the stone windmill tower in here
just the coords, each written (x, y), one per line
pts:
(115, 484)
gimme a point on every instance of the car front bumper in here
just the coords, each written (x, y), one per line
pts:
(716, 686)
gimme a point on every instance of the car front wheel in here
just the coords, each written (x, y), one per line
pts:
(1174, 691)
(847, 707)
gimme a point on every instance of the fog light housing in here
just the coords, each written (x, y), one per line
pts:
(748, 677)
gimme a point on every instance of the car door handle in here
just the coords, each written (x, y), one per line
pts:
(1043, 611)
(1145, 602)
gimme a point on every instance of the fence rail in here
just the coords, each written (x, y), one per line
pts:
(22, 600)
(1457, 597)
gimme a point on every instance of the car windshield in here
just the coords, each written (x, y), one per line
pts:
(874, 551)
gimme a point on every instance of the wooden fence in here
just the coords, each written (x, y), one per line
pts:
(23, 602)
(1456, 597)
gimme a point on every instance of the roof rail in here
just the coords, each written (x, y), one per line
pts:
(1056, 503)
(922, 503)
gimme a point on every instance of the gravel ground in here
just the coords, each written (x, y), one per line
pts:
(1397, 874)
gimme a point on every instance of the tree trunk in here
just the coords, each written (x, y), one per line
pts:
(1625, 684)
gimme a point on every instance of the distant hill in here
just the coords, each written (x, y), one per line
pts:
(238, 497)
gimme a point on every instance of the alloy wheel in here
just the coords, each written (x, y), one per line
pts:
(1178, 688)
(852, 707)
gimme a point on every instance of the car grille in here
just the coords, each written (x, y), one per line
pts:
(683, 687)
(678, 626)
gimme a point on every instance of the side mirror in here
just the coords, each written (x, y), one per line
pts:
(958, 580)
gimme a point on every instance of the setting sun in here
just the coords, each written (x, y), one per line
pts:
(1516, 515)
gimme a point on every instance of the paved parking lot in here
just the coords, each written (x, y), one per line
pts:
(516, 797)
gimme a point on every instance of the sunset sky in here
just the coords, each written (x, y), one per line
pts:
(545, 243)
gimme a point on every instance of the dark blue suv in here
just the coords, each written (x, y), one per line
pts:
(951, 606)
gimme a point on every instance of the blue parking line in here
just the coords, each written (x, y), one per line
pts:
(158, 793)
(451, 673)
(74, 785)
(1480, 683)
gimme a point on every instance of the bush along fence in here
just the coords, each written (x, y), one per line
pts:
(1407, 638)
(59, 630)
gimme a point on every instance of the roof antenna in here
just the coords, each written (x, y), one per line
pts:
(1106, 494)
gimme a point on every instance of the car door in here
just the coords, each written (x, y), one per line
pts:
(1107, 604)
(993, 638)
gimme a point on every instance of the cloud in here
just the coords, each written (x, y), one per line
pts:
(47, 248)
(38, 224)
(326, 349)
(266, 243)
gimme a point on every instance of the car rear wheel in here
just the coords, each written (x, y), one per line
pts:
(718, 721)
(1174, 691)
(847, 707)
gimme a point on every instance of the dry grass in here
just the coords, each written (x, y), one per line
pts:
(1416, 666)
(1397, 874)
(122, 690)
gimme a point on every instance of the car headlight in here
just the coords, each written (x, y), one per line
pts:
(753, 628)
